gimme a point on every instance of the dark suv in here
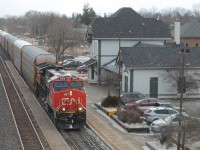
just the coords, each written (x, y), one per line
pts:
(131, 97)
(73, 64)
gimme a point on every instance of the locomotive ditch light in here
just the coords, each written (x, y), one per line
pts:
(63, 109)
(70, 93)
(80, 108)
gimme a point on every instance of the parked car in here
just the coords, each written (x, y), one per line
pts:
(65, 61)
(170, 120)
(143, 104)
(73, 64)
(131, 96)
(66, 58)
(154, 113)
(163, 104)
(82, 69)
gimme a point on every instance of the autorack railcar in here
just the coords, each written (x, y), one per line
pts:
(9, 41)
(17, 52)
(2, 38)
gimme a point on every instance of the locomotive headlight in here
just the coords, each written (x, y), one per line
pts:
(70, 93)
(63, 109)
(80, 108)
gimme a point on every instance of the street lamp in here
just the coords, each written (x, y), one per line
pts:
(182, 90)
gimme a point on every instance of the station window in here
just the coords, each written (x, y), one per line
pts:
(187, 44)
(197, 44)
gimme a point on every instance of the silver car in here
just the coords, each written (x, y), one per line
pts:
(155, 113)
(171, 106)
(170, 120)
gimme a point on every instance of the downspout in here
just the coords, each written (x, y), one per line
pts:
(131, 80)
(99, 63)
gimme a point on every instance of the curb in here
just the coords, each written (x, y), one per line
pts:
(141, 129)
(149, 146)
(111, 115)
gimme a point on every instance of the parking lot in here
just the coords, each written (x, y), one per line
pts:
(97, 93)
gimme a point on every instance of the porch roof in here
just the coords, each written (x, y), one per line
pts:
(112, 66)
(90, 62)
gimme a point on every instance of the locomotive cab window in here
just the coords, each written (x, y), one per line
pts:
(77, 85)
(60, 85)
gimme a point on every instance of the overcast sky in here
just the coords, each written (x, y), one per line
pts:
(20, 7)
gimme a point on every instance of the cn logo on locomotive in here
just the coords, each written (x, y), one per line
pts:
(69, 101)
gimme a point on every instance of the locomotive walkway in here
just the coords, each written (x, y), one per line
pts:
(53, 137)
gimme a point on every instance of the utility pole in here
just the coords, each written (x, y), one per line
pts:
(119, 71)
(183, 52)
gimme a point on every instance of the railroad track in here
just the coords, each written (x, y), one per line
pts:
(29, 138)
(82, 139)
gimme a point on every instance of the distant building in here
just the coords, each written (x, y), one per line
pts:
(189, 34)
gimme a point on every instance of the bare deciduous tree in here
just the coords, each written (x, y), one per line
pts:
(173, 74)
(61, 36)
(196, 10)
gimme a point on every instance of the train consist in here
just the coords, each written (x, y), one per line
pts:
(62, 94)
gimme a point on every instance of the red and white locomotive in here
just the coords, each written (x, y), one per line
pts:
(62, 93)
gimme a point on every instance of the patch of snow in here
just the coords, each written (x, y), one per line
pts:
(133, 125)
(82, 58)
(145, 148)
(158, 146)
(98, 103)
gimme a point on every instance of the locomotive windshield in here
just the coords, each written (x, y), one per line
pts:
(60, 85)
(77, 85)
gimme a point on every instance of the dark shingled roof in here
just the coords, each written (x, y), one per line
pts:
(189, 29)
(112, 66)
(126, 20)
(90, 62)
(158, 57)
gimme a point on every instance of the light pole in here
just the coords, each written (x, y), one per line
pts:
(182, 90)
